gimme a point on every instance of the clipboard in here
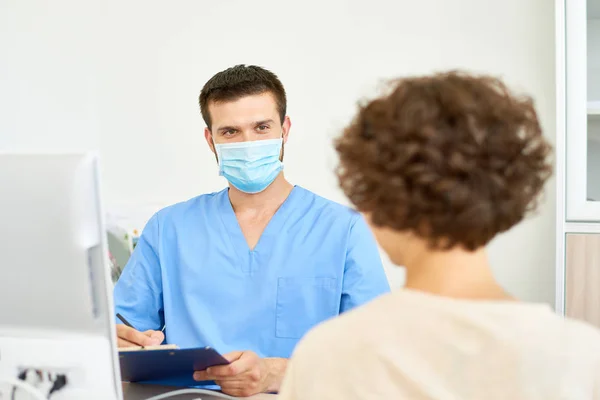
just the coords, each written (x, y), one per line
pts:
(175, 366)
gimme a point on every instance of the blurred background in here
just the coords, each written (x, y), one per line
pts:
(123, 78)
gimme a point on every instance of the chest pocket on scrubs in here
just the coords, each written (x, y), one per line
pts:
(304, 302)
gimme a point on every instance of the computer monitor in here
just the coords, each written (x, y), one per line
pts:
(56, 310)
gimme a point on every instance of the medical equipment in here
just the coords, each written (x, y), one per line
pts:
(56, 311)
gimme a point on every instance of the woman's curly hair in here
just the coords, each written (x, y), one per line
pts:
(453, 158)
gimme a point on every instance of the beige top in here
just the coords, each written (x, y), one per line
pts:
(412, 345)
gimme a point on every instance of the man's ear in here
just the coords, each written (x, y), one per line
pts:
(209, 139)
(287, 125)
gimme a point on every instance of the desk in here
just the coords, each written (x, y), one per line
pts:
(136, 391)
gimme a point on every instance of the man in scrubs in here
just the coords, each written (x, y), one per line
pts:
(250, 269)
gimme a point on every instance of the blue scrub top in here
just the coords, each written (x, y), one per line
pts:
(193, 271)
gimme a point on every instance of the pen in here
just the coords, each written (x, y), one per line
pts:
(123, 320)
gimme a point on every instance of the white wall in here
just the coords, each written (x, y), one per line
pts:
(125, 76)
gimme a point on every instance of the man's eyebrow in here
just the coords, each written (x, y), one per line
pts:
(237, 128)
(227, 128)
(266, 121)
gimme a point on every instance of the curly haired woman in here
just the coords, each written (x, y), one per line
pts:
(439, 167)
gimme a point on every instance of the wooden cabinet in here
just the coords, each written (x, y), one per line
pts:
(578, 159)
(583, 277)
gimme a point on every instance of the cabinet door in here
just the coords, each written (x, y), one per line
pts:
(583, 277)
(582, 106)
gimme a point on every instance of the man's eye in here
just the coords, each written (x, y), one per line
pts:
(263, 127)
(229, 132)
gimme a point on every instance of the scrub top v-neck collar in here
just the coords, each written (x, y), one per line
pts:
(232, 226)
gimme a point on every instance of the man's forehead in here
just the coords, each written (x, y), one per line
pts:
(245, 110)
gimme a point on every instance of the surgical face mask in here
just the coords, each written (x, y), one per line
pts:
(250, 166)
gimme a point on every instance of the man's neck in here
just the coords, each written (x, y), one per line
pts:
(270, 198)
(455, 273)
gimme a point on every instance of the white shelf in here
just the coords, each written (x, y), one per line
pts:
(593, 107)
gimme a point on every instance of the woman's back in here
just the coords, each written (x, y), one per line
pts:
(412, 345)
(440, 165)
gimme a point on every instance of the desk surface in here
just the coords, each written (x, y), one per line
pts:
(135, 391)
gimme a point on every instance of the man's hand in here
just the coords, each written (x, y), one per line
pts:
(128, 337)
(247, 375)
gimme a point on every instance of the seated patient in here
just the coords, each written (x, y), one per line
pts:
(439, 167)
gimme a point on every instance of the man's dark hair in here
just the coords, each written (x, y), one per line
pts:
(240, 81)
(453, 158)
